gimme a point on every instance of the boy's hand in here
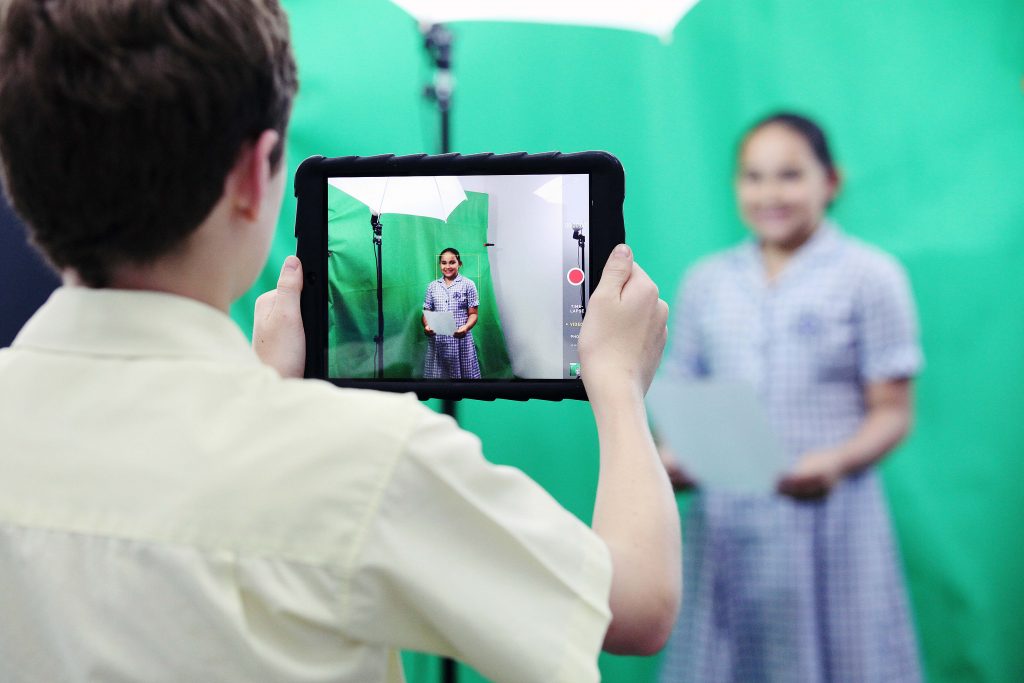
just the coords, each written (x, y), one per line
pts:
(624, 333)
(635, 513)
(277, 334)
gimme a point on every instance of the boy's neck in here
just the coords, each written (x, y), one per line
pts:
(198, 269)
(135, 279)
(184, 282)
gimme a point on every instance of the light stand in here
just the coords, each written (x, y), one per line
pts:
(438, 42)
(581, 240)
(378, 340)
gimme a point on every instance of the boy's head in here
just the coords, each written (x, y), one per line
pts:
(121, 119)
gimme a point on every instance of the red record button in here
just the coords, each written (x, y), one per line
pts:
(575, 276)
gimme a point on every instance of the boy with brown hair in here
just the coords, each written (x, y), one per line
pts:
(174, 506)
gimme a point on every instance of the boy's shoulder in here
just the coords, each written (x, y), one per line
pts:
(330, 409)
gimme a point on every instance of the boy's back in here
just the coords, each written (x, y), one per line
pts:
(171, 509)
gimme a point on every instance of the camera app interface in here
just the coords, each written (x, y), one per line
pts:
(466, 278)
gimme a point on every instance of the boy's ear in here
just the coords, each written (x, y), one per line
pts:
(249, 181)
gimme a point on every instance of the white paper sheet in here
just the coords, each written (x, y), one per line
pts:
(719, 432)
(441, 322)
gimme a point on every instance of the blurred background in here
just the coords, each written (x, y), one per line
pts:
(923, 101)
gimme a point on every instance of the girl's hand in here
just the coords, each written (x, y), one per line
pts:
(460, 332)
(814, 476)
(680, 480)
(427, 331)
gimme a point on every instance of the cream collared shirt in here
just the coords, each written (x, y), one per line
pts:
(172, 510)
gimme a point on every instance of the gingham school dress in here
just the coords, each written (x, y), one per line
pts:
(448, 357)
(778, 590)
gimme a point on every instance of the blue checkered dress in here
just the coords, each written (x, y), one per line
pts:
(448, 357)
(775, 589)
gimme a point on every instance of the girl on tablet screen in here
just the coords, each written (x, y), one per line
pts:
(452, 357)
(803, 585)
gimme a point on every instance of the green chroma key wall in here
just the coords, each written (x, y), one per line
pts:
(923, 100)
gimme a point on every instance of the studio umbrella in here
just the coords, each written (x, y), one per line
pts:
(657, 17)
(430, 196)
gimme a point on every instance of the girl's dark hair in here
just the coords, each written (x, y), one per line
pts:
(805, 127)
(458, 256)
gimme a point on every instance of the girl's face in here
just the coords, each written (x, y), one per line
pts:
(782, 188)
(449, 265)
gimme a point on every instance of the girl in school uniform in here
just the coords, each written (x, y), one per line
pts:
(802, 586)
(452, 357)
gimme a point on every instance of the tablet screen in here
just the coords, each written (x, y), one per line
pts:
(456, 278)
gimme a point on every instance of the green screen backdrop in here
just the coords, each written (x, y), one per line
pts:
(923, 102)
(410, 249)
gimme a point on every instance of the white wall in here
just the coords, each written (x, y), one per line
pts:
(526, 267)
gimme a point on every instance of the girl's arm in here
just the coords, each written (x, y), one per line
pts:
(428, 305)
(888, 419)
(470, 322)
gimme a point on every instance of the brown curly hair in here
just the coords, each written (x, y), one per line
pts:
(120, 119)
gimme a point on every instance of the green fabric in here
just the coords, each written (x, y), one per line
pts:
(411, 245)
(923, 102)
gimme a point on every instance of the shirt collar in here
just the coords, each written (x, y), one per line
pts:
(457, 279)
(130, 323)
(822, 242)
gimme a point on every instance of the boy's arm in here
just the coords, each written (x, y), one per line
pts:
(277, 333)
(635, 511)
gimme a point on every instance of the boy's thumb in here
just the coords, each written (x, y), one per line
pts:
(290, 281)
(618, 267)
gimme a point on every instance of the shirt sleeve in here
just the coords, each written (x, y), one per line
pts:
(428, 298)
(686, 357)
(472, 298)
(888, 345)
(477, 562)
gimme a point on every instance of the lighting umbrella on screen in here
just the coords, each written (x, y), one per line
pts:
(430, 196)
(427, 196)
(656, 17)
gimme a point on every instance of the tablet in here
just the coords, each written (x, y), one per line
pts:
(454, 276)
